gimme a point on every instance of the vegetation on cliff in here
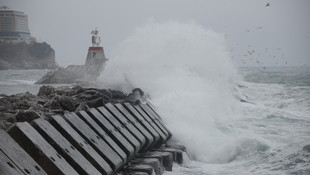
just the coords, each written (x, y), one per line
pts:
(24, 55)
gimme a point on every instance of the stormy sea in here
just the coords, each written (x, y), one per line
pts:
(233, 120)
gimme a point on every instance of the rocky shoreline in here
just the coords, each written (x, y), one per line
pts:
(65, 118)
(52, 101)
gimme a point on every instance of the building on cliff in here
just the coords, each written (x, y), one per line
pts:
(13, 25)
(88, 72)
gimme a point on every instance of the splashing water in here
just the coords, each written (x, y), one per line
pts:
(187, 72)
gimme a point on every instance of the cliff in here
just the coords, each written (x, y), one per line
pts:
(24, 55)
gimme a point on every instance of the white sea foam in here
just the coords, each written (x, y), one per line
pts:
(189, 76)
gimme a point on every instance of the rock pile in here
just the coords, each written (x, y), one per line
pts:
(51, 101)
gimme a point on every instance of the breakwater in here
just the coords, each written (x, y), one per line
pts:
(124, 137)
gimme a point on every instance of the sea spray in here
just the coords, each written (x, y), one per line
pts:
(187, 72)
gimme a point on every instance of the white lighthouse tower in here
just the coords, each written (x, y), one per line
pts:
(95, 54)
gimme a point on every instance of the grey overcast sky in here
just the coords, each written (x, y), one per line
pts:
(276, 35)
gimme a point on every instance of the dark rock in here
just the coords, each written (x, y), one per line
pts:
(306, 148)
(42, 101)
(67, 103)
(105, 92)
(117, 94)
(21, 104)
(26, 115)
(5, 124)
(52, 104)
(96, 103)
(4, 101)
(136, 96)
(61, 102)
(82, 107)
(11, 118)
(46, 90)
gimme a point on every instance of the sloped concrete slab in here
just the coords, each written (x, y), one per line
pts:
(121, 128)
(92, 124)
(15, 158)
(149, 138)
(156, 119)
(80, 144)
(7, 166)
(39, 149)
(163, 136)
(113, 132)
(127, 123)
(64, 147)
(95, 141)
(144, 123)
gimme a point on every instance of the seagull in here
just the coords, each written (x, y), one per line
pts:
(267, 4)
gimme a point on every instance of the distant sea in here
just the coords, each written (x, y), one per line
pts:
(20, 81)
(270, 135)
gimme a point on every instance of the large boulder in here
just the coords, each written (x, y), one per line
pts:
(46, 91)
(26, 116)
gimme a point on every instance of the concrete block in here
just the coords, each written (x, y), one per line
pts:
(138, 168)
(64, 147)
(136, 173)
(7, 166)
(127, 123)
(113, 132)
(103, 149)
(80, 144)
(92, 124)
(15, 159)
(156, 120)
(144, 123)
(157, 116)
(41, 151)
(121, 128)
(176, 153)
(166, 158)
(153, 162)
(148, 137)
(163, 137)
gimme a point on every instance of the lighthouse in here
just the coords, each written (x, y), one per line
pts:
(94, 65)
(95, 55)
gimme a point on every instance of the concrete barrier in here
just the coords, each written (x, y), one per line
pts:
(127, 124)
(14, 160)
(39, 149)
(80, 144)
(153, 116)
(92, 124)
(144, 123)
(64, 147)
(148, 137)
(121, 128)
(163, 137)
(102, 148)
(105, 140)
(113, 132)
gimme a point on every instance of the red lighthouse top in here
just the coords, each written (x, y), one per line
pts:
(95, 48)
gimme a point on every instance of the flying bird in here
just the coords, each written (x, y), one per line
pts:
(267, 4)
